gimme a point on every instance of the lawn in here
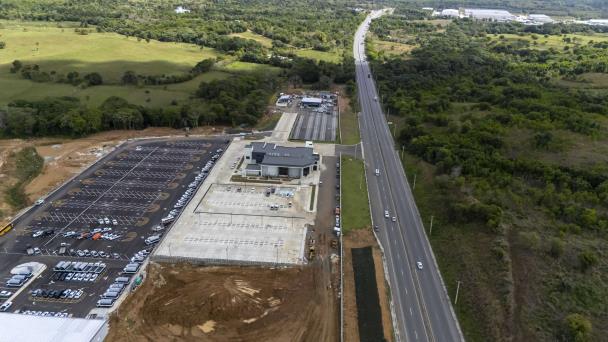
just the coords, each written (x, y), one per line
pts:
(265, 41)
(62, 50)
(327, 56)
(552, 41)
(349, 127)
(355, 206)
(238, 66)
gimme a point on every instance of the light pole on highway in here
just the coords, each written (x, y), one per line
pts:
(402, 150)
(414, 186)
(431, 229)
(457, 290)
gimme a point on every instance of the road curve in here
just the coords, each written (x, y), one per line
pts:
(421, 307)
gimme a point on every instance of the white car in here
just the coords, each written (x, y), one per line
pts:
(114, 222)
(386, 215)
(419, 265)
(5, 294)
(394, 219)
(100, 221)
(377, 172)
(5, 306)
(39, 202)
(106, 220)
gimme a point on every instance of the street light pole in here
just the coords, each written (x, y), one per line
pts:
(457, 290)
(431, 230)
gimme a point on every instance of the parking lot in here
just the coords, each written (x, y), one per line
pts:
(317, 124)
(99, 221)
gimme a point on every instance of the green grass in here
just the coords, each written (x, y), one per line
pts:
(28, 165)
(265, 41)
(268, 122)
(238, 66)
(329, 56)
(391, 48)
(110, 54)
(355, 206)
(349, 127)
(551, 41)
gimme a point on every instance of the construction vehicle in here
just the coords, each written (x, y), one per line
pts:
(311, 253)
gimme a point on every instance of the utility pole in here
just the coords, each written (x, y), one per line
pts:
(457, 290)
(402, 150)
(414, 186)
(431, 231)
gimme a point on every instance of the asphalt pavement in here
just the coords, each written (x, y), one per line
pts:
(421, 307)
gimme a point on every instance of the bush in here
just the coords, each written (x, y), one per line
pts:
(93, 79)
(577, 328)
(557, 247)
(587, 259)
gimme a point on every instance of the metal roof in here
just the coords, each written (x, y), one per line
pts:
(17, 327)
(312, 100)
(276, 155)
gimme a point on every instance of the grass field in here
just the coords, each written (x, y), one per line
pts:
(552, 41)
(329, 56)
(391, 48)
(238, 66)
(355, 206)
(267, 42)
(62, 50)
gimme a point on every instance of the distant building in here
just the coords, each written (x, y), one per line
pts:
(16, 327)
(597, 22)
(312, 102)
(452, 13)
(489, 14)
(540, 18)
(181, 10)
(271, 160)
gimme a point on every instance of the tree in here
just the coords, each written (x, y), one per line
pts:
(93, 79)
(203, 66)
(2, 45)
(587, 259)
(129, 77)
(577, 328)
(17, 65)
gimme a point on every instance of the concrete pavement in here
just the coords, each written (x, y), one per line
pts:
(421, 307)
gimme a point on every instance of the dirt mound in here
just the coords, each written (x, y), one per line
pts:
(187, 303)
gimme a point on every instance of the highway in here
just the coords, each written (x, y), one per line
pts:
(421, 307)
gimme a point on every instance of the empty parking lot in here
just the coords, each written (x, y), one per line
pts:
(107, 211)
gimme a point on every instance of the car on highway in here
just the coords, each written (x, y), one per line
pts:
(394, 219)
(377, 172)
(419, 265)
(386, 214)
(376, 228)
(39, 202)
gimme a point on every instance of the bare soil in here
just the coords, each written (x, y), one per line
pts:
(356, 239)
(193, 303)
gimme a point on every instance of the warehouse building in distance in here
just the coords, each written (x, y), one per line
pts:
(312, 102)
(271, 160)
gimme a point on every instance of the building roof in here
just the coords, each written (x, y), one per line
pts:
(16, 327)
(312, 100)
(276, 155)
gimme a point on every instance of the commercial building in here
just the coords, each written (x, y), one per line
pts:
(489, 14)
(271, 160)
(540, 19)
(18, 327)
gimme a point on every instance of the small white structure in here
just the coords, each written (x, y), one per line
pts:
(540, 18)
(452, 13)
(283, 101)
(181, 10)
(597, 22)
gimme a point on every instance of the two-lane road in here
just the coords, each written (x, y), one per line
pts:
(422, 308)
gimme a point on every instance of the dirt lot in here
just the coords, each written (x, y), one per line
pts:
(65, 157)
(190, 303)
(356, 239)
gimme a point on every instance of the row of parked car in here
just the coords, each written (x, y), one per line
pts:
(95, 234)
(17, 280)
(93, 254)
(89, 277)
(57, 294)
(44, 313)
(113, 291)
(79, 267)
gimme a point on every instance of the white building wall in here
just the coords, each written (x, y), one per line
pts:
(270, 171)
(295, 172)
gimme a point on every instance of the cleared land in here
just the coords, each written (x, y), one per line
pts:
(186, 303)
(327, 56)
(551, 41)
(265, 41)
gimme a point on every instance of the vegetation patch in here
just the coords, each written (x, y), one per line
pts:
(355, 206)
(27, 165)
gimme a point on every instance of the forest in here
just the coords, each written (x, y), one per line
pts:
(484, 109)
